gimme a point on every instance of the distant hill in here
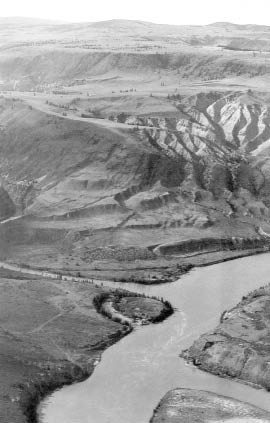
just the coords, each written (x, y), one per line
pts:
(122, 22)
(128, 24)
(233, 26)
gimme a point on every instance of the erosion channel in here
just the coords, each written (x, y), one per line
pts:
(136, 372)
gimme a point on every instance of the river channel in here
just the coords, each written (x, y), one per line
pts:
(137, 371)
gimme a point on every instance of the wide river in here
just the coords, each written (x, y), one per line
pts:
(136, 372)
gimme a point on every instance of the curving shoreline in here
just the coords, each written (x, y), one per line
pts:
(238, 347)
(34, 394)
(37, 391)
(156, 345)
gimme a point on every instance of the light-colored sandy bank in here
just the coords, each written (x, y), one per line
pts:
(189, 406)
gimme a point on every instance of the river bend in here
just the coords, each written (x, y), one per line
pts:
(136, 372)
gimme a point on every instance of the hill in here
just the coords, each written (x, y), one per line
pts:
(115, 149)
(41, 53)
(129, 151)
(136, 180)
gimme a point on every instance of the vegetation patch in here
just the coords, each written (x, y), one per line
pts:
(136, 307)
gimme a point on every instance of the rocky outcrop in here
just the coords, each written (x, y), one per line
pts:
(239, 346)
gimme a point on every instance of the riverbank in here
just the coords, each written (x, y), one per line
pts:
(239, 346)
(133, 257)
(159, 271)
(170, 269)
(189, 406)
(54, 364)
(51, 335)
(151, 354)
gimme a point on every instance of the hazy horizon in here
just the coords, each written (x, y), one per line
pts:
(191, 13)
(63, 22)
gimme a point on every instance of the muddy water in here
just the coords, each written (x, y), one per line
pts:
(136, 372)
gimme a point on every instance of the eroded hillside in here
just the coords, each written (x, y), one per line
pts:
(212, 153)
(134, 179)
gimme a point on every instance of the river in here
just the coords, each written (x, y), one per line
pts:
(137, 371)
